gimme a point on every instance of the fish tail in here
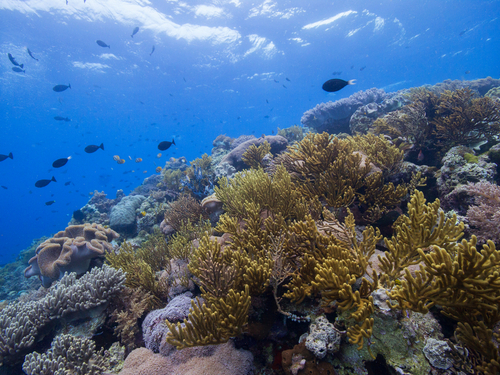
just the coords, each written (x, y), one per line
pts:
(351, 82)
(173, 141)
(69, 85)
(109, 46)
(10, 155)
(53, 179)
(102, 146)
(132, 35)
(22, 66)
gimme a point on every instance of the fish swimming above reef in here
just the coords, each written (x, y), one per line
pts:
(61, 162)
(165, 145)
(18, 70)
(13, 61)
(61, 88)
(93, 148)
(43, 183)
(102, 44)
(50, 203)
(152, 51)
(59, 118)
(3, 157)
(136, 30)
(31, 55)
(336, 84)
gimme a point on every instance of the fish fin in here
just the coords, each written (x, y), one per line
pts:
(351, 82)
(69, 85)
(102, 146)
(173, 141)
(21, 66)
(10, 155)
(53, 179)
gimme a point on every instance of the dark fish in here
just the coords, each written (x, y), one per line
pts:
(61, 88)
(93, 148)
(276, 81)
(102, 44)
(50, 203)
(462, 32)
(152, 51)
(136, 30)
(336, 84)
(362, 68)
(165, 145)
(466, 72)
(43, 183)
(4, 187)
(337, 73)
(18, 70)
(3, 157)
(287, 79)
(67, 183)
(29, 53)
(13, 61)
(420, 156)
(266, 116)
(60, 162)
(267, 101)
(59, 118)
(284, 86)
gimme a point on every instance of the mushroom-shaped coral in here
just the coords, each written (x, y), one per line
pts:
(70, 250)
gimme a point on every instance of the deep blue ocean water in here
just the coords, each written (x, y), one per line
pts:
(219, 67)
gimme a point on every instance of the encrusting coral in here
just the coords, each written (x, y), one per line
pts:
(70, 250)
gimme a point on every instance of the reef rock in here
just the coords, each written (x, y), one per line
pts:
(334, 117)
(438, 353)
(323, 338)
(123, 217)
(277, 142)
(71, 250)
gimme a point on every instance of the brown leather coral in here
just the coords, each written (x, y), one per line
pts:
(70, 250)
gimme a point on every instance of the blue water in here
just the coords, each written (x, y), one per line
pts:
(214, 66)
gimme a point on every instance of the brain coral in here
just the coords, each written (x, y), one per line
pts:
(70, 250)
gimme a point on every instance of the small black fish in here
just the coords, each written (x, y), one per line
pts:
(284, 86)
(93, 148)
(266, 116)
(3, 157)
(466, 72)
(60, 162)
(152, 51)
(267, 101)
(337, 73)
(336, 84)
(362, 68)
(136, 30)
(29, 53)
(59, 118)
(165, 145)
(4, 187)
(13, 61)
(462, 32)
(276, 81)
(102, 44)
(50, 203)
(67, 183)
(43, 183)
(18, 70)
(61, 88)
(287, 79)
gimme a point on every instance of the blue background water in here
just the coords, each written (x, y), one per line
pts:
(213, 71)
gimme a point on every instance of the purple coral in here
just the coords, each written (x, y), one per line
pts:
(333, 117)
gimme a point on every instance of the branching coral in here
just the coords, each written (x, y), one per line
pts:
(180, 246)
(183, 209)
(254, 155)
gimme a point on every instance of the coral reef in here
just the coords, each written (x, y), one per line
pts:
(184, 208)
(123, 215)
(22, 325)
(71, 250)
(333, 117)
(292, 134)
(67, 354)
(323, 337)
(255, 156)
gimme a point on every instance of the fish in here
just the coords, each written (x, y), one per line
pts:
(102, 44)
(336, 84)
(59, 118)
(165, 145)
(138, 160)
(420, 156)
(18, 70)
(31, 55)
(276, 81)
(284, 86)
(152, 51)
(466, 72)
(61, 88)
(121, 161)
(287, 79)
(267, 101)
(93, 148)
(5, 187)
(13, 61)
(337, 73)
(61, 162)
(67, 183)
(362, 68)
(158, 155)
(136, 30)
(50, 203)
(43, 183)
(158, 169)
(116, 157)
(3, 157)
